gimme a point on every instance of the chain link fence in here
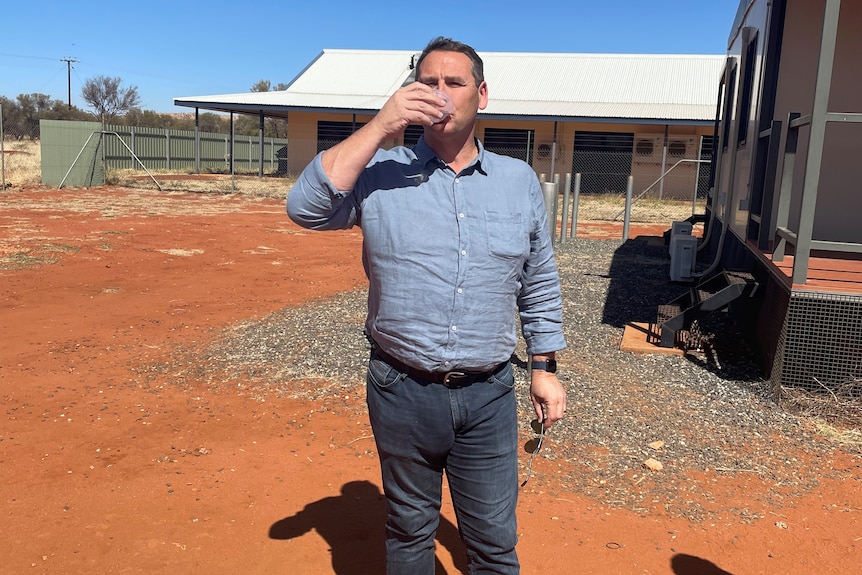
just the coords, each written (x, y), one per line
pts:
(670, 175)
(20, 153)
(209, 162)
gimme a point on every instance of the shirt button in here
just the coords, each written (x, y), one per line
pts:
(460, 215)
(457, 180)
(446, 363)
(460, 290)
(454, 328)
(463, 252)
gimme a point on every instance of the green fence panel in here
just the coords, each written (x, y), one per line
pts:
(73, 148)
(162, 149)
(123, 147)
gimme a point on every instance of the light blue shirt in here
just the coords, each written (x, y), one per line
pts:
(448, 256)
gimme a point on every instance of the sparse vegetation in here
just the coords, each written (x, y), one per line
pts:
(836, 409)
(46, 254)
(22, 161)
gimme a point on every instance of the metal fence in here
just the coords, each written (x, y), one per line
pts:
(87, 154)
(669, 183)
(167, 150)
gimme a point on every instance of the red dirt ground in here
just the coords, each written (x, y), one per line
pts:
(105, 469)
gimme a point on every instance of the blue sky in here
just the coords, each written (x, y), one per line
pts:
(179, 48)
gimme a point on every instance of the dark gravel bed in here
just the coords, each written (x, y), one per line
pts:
(713, 412)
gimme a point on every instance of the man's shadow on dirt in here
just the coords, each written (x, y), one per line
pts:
(691, 565)
(353, 525)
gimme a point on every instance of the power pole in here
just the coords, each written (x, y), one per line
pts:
(68, 62)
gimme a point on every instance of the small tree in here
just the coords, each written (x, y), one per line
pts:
(209, 122)
(108, 99)
(150, 119)
(31, 107)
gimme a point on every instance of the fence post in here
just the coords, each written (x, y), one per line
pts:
(565, 223)
(556, 203)
(696, 175)
(2, 152)
(663, 161)
(232, 144)
(629, 186)
(227, 158)
(576, 196)
(197, 142)
(549, 190)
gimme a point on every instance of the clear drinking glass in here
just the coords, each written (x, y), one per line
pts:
(447, 108)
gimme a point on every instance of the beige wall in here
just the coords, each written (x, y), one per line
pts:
(302, 146)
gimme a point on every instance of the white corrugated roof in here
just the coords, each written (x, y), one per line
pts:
(597, 86)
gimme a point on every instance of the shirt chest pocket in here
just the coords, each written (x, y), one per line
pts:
(507, 235)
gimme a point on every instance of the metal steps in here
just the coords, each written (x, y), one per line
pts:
(675, 318)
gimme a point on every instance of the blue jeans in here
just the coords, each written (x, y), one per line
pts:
(422, 429)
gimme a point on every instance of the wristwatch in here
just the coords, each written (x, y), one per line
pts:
(549, 365)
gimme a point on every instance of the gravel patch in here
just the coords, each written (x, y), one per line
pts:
(702, 416)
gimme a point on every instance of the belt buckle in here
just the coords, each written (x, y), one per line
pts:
(452, 374)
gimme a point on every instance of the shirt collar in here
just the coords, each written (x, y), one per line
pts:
(425, 154)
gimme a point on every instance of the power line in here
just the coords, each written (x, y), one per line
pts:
(24, 56)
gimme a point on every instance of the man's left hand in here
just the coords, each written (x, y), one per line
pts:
(548, 397)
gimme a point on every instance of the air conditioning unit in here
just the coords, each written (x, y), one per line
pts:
(677, 148)
(543, 151)
(683, 252)
(647, 147)
(680, 228)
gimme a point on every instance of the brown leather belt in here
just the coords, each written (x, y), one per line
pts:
(451, 379)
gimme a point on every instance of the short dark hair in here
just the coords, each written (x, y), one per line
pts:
(441, 44)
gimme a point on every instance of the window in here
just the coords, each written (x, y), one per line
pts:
(412, 135)
(331, 133)
(604, 160)
(747, 88)
(726, 115)
(514, 143)
(704, 169)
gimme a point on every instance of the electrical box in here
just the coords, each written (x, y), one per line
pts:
(683, 257)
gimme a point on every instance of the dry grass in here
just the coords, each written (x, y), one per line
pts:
(252, 185)
(22, 162)
(838, 410)
(839, 434)
(611, 207)
(23, 166)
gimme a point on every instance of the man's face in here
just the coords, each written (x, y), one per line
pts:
(452, 73)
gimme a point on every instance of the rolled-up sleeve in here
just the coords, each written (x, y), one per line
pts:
(540, 301)
(315, 203)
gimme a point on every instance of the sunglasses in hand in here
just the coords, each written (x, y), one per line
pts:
(534, 445)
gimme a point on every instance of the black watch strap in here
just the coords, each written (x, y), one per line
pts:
(549, 365)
